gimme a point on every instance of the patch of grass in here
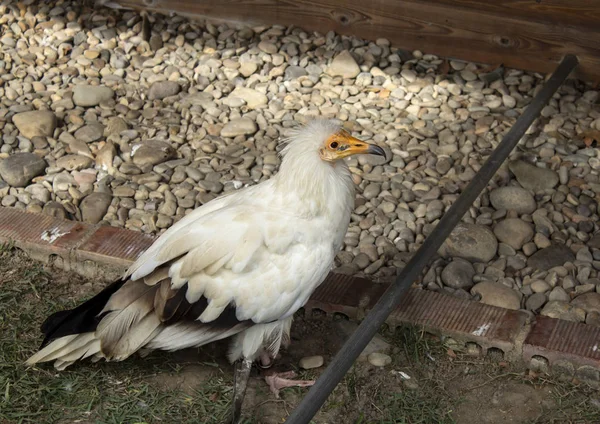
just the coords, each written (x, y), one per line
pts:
(6, 247)
(87, 393)
(418, 345)
(379, 395)
(351, 380)
(415, 407)
(426, 401)
(574, 404)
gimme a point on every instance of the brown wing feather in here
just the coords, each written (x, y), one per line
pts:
(163, 295)
(127, 316)
(157, 276)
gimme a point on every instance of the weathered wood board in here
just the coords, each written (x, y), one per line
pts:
(525, 34)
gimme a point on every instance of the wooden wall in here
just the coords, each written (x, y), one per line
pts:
(525, 34)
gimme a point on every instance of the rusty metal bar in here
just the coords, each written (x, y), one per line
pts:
(390, 300)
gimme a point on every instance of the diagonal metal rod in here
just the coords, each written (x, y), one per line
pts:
(390, 300)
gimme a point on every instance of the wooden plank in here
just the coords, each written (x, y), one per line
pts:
(576, 13)
(466, 29)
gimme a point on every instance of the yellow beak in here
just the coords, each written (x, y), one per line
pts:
(342, 145)
(356, 147)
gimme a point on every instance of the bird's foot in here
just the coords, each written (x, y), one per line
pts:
(278, 381)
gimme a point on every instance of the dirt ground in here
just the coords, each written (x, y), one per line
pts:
(194, 386)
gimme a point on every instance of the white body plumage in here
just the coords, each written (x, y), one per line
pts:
(258, 253)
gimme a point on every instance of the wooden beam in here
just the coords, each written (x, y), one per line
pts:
(523, 34)
(576, 13)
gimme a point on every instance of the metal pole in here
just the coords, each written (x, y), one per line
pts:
(344, 359)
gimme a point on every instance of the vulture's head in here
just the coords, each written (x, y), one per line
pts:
(326, 140)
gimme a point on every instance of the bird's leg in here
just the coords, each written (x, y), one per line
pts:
(278, 381)
(240, 382)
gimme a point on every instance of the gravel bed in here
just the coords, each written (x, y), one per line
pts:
(101, 125)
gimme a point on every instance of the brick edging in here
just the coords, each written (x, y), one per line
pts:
(541, 342)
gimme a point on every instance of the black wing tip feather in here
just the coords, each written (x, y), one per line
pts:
(81, 319)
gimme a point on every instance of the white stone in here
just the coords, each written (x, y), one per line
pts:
(379, 359)
(310, 362)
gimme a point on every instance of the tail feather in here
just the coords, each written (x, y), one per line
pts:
(50, 349)
(62, 365)
(90, 348)
(78, 342)
(67, 349)
(135, 304)
(106, 326)
(142, 332)
(124, 319)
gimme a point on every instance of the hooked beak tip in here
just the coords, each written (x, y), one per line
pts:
(375, 150)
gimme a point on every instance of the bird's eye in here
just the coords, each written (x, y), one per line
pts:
(334, 145)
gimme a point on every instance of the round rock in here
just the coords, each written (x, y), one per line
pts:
(247, 68)
(550, 257)
(38, 192)
(19, 169)
(458, 274)
(379, 359)
(514, 232)
(563, 310)
(593, 318)
(152, 152)
(535, 302)
(589, 302)
(267, 47)
(74, 162)
(293, 72)
(115, 126)
(90, 133)
(161, 89)
(252, 97)
(37, 123)
(310, 362)
(239, 126)
(513, 198)
(558, 293)
(533, 178)
(91, 95)
(344, 65)
(371, 191)
(54, 209)
(497, 294)
(94, 207)
(472, 242)
(539, 286)
(105, 156)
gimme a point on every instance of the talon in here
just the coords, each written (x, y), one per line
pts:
(278, 381)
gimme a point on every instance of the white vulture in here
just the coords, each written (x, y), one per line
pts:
(241, 265)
